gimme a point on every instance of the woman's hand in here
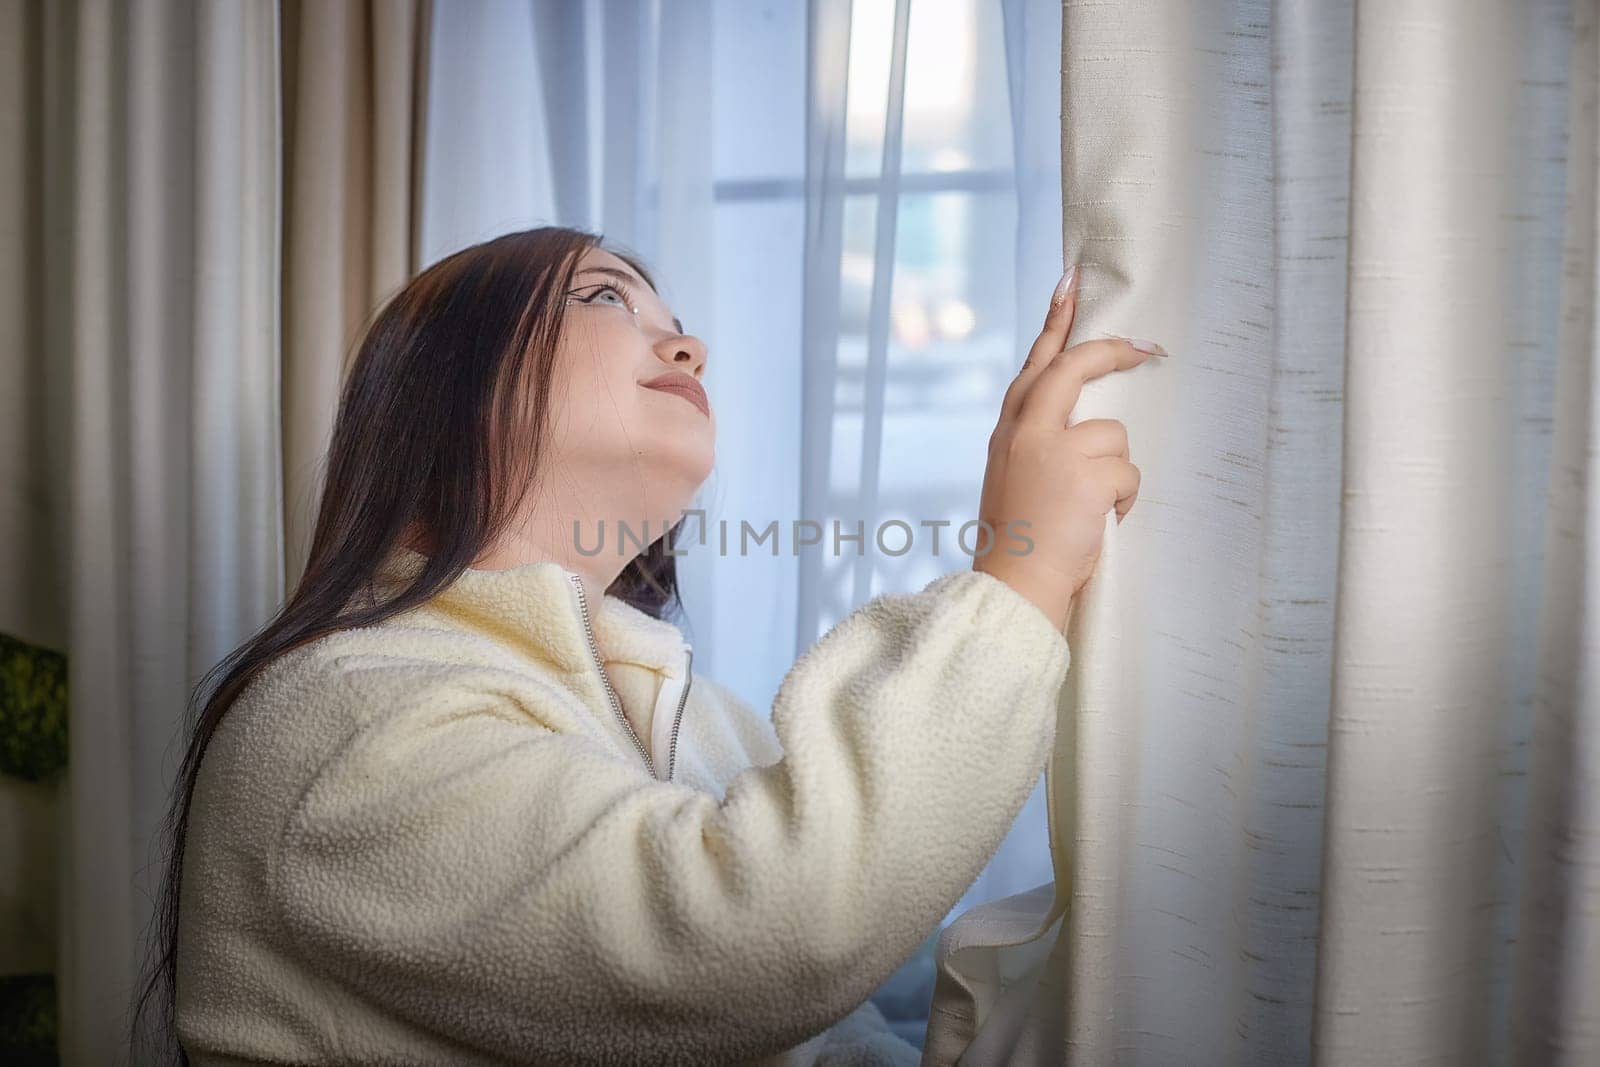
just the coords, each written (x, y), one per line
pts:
(1055, 482)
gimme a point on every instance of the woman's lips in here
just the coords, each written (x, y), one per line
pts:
(683, 386)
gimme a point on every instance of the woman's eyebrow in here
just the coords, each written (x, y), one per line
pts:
(631, 280)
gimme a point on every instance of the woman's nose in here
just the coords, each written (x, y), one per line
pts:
(683, 352)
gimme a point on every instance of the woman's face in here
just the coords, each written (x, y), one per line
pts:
(626, 451)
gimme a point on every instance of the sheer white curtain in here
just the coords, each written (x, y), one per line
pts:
(856, 205)
(932, 241)
(1325, 786)
(596, 114)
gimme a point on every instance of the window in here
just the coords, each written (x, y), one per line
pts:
(952, 344)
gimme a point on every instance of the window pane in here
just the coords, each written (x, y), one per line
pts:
(871, 38)
(957, 110)
(955, 87)
(952, 352)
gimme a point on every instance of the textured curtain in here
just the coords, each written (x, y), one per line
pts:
(156, 186)
(1327, 780)
(191, 246)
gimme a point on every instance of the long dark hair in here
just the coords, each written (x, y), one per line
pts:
(436, 445)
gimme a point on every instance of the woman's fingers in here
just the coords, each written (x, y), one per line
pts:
(1123, 477)
(1057, 322)
(1052, 393)
(1100, 437)
(1051, 340)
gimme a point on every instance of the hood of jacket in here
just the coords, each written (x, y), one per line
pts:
(538, 611)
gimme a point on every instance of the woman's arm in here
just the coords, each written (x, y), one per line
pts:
(864, 1036)
(538, 896)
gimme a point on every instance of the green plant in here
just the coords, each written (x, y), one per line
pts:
(33, 710)
(28, 1020)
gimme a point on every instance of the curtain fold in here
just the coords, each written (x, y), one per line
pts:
(158, 157)
(1555, 968)
(30, 558)
(188, 246)
(355, 79)
(827, 96)
(1428, 734)
(885, 218)
(1325, 782)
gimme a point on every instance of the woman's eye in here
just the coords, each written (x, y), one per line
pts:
(622, 300)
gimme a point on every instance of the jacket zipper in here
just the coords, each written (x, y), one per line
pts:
(611, 694)
(677, 720)
(594, 651)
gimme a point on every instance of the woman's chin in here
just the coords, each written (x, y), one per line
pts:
(695, 470)
(688, 453)
(679, 471)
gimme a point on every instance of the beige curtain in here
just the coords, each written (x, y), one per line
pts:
(354, 76)
(1327, 781)
(29, 608)
(204, 202)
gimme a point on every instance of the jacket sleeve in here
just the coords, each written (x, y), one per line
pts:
(530, 894)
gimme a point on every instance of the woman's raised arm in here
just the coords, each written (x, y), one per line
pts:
(534, 895)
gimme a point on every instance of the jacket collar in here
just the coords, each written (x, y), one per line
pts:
(535, 607)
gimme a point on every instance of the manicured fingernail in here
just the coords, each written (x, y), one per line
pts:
(1065, 287)
(1146, 346)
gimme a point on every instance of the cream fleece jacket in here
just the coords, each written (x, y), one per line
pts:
(436, 841)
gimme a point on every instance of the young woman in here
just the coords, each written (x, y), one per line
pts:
(463, 799)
